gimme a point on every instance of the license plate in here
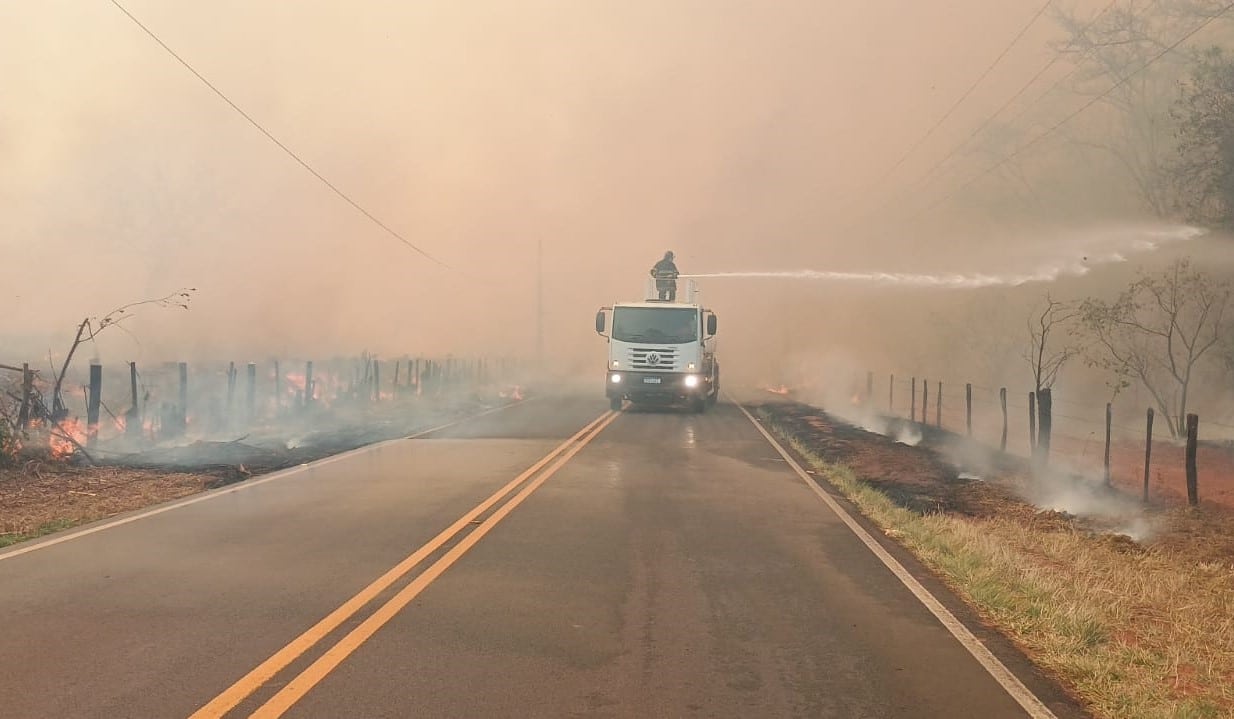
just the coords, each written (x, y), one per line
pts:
(651, 380)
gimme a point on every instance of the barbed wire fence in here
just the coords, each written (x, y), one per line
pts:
(1103, 442)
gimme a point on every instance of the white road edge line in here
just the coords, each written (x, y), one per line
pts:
(999, 671)
(36, 545)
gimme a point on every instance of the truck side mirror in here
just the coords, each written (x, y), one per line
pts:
(600, 322)
(711, 324)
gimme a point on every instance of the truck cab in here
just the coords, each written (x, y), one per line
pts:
(661, 352)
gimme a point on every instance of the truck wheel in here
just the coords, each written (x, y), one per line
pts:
(614, 403)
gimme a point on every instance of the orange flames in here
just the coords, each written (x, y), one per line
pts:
(60, 439)
(326, 385)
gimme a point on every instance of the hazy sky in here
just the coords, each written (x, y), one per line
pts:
(736, 133)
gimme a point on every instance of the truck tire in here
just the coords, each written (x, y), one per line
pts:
(614, 403)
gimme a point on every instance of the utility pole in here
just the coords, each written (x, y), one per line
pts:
(540, 305)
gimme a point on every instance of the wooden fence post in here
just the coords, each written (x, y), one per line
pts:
(231, 393)
(1193, 432)
(133, 420)
(376, 380)
(1109, 420)
(93, 403)
(182, 421)
(1045, 424)
(1002, 399)
(925, 399)
(869, 389)
(27, 388)
(891, 395)
(250, 399)
(1148, 451)
(1032, 422)
(968, 410)
(278, 388)
(912, 407)
(309, 390)
(938, 407)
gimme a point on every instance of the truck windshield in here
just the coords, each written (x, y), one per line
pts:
(661, 325)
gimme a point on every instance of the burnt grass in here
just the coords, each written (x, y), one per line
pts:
(40, 494)
(926, 479)
(296, 442)
(915, 477)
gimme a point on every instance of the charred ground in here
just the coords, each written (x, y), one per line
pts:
(945, 473)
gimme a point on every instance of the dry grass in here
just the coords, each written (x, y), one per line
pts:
(40, 498)
(1134, 632)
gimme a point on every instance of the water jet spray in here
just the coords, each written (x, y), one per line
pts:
(1143, 241)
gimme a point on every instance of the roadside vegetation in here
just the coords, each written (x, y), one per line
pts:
(1135, 630)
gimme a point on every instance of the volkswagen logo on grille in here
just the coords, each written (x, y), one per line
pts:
(653, 358)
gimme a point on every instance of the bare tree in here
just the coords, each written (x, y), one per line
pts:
(1157, 332)
(1047, 356)
(91, 327)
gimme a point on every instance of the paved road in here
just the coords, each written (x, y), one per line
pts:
(669, 565)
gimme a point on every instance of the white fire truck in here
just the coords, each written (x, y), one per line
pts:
(661, 352)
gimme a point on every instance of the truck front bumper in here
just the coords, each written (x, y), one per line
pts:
(656, 386)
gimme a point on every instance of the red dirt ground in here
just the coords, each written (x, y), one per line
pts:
(1167, 471)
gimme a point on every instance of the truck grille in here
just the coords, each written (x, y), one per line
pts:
(655, 358)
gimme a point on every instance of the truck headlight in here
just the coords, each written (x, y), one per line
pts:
(691, 380)
(615, 379)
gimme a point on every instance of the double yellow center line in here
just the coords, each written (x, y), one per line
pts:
(327, 662)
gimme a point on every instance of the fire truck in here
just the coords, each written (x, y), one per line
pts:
(661, 352)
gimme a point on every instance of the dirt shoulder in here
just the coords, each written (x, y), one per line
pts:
(1131, 608)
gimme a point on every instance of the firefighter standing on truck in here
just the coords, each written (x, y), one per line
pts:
(666, 273)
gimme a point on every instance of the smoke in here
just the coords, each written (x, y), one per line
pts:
(833, 381)
(745, 138)
(1066, 489)
(909, 435)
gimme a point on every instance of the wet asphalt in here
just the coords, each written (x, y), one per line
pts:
(675, 567)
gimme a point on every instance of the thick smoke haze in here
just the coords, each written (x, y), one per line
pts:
(745, 136)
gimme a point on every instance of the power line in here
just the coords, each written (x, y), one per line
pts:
(931, 173)
(959, 101)
(1052, 129)
(1077, 68)
(1019, 93)
(270, 136)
